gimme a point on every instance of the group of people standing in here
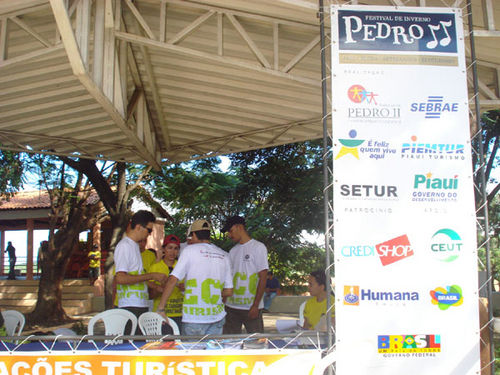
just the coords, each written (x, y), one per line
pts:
(207, 290)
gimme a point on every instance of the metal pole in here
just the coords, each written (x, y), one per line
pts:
(483, 202)
(326, 175)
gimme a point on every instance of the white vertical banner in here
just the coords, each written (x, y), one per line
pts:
(405, 230)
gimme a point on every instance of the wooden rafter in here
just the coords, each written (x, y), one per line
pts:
(69, 41)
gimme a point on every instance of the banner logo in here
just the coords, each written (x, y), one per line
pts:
(397, 31)
(409, 343)
(373, 148)
(428, 188)
(353, 295)
(446, 244)
(432, 151)
(357, 251)
(445, 298)
(373, 111)
(393, 250)
(369, 191)
(434, 107)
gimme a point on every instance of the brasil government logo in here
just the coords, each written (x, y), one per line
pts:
(408, 343)
(445, 298)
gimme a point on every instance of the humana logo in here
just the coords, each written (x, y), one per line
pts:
(427, 182)
(353, 294)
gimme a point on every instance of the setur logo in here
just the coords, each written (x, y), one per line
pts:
(393, 250)
(445, 298)
(446, 244)
(409, 343)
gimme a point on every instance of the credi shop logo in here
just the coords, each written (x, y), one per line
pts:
(446, 245)
(394, 250)
(444, 298)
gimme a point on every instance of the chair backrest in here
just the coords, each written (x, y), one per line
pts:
(114, 321)
(301, 313)
(13, 321)
(150, 324)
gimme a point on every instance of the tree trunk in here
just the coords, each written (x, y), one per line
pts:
(49, 310)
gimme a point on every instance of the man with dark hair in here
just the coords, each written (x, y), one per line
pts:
(207, 275)
(272, 290)
(131, 279)
(12, 260)
(249, 263)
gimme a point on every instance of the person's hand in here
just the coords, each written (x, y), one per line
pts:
(162, 313)
(160, 277)
(253, 313)
(181, 287)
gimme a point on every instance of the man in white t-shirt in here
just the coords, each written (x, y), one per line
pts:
(208, 279)
(131, 279)
(249, 264)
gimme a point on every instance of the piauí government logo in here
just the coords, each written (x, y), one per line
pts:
(445, 298)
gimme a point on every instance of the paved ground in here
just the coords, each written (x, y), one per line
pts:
(269, 323)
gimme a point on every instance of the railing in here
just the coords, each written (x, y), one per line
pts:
(21, 266)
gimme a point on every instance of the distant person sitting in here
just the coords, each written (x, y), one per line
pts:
(315, 308)
(94, 264)
(12, 260)
(273, 288)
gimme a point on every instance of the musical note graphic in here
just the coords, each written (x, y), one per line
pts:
(442, 42)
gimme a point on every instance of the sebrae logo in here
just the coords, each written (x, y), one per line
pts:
(446, 245)
(445, 298)
(409, 343)
(393, 250)
(434, 107)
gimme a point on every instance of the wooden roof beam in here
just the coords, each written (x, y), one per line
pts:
(65, 28)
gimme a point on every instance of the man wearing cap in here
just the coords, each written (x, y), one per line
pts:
(207, 275)
(131, 287)
(249, 263)
(170, 251)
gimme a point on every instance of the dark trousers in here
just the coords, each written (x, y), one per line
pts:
(12, 270)
(137, 311)
(236, 318)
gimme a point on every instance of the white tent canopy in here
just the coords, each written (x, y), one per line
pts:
(150, 81)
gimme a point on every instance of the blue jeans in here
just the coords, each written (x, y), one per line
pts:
(197, 329)
(268, 299)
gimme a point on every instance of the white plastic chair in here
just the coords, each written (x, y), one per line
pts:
(150, 324)
(13, 322)
(301, 313)
(114, 321)
(324, 363)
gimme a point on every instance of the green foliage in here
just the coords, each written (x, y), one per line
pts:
(278, 190)
(11, 172)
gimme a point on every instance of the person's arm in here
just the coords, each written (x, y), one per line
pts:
(253, 313)
(227, 292)
(125, 278)
(167, 291)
